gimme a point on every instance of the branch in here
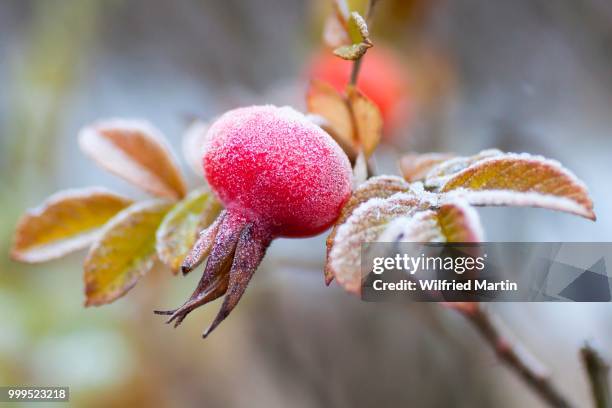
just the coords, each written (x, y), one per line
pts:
(512, 354)
(355, 71)
(597, 370)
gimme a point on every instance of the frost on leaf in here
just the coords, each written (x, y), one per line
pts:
(414, 166)
(67, 221)
(454, 221)
(124, 252)
(351, 52)
(440, 172)
(368, 120)
(349, 15)
(375, 187)
(135, 151)
(323, 100)
(357, 30)
(180, 228)
(364, 225)
(520, 180)
(192, 144)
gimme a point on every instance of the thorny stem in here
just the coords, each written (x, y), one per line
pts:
(512, 354)
(598, 372)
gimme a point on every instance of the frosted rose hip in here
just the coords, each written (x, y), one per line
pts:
(277, 175)
(272, 165)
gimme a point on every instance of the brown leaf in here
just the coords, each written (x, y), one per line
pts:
(521, 180)
(375, 187)
(67, 221)
(440, 172)
(368, 120)
(180, 228)
(365, 225)
(124, 252)
(415, 166)
(459, 222)
(135, 151)
(454, 221)
(322, 99)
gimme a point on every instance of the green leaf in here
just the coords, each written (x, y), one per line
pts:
(124, 252)
(350, 13)
(358, 29)
(351, 52)
(67, 221)
(180, 228)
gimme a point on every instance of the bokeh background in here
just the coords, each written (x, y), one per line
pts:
(526, 75)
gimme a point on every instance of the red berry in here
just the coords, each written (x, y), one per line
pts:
(277, 174)
(382, 78)
(275, 167)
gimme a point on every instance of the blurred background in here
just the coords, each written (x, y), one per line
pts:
(526, 75)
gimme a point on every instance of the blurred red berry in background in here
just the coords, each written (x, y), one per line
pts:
(382, 78)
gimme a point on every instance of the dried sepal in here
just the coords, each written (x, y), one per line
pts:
(322, 99)
(192, 144)
(238, 249)
(67, 221)
(415, 166)
(520, 180)
(250, 251)
(179, 230)
(367, 119)
(124, 252)
(216, 271)
(375, 187)
(365, 225)
(202, 247)
(135, 151)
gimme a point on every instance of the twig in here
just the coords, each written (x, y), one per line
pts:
(355, 70)
(513, 355)
(370, 12)
(598, 372)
